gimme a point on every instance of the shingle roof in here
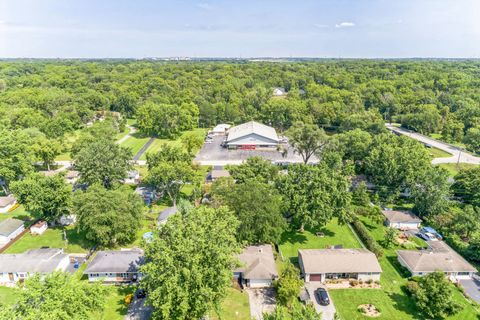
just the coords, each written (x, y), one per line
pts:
(6, 201)
(115, 261)
(401, 216)
(38, 260)
(219, 173)
(338, 261)
(10, 225)
(249, 128)
(258, 263)
(440, 257)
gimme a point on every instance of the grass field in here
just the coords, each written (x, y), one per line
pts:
(234, 307)
(8, 296)
(19, 213)
(52, 238)
(135, 142)
(115, 307)
(454, 168)
(437, 153)
(335, 234)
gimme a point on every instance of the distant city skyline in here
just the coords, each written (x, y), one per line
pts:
(242, 29)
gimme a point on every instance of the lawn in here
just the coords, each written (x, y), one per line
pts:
(454, 168)
(235, 306)
(437, 153)
(122, 134)
(135, 142)
(52, 238)
(19, 213)
(115, 307)
(157, 143)
(8, 295)
(335, 234)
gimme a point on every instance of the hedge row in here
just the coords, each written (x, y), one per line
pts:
(366, 238)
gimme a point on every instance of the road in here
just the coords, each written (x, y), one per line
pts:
(457, 154)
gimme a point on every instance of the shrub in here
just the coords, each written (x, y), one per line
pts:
(353, 282)
(128, 299)
(369, 281)
(366, 238)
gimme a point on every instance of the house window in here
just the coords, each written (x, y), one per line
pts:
(463, 273)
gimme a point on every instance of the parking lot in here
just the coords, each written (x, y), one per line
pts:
(328, 312)
(213, 154)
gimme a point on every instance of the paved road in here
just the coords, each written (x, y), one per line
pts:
(457, 154)
(128, 135)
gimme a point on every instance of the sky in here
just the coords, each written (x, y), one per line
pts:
(242, 28)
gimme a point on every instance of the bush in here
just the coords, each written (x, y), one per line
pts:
(353, 282)
(366, 238)
(128, 299)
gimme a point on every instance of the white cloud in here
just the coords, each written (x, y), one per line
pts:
(345, 25)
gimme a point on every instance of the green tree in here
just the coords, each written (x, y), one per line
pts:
(168, 153)
(466, 185)
(103, 161)
(390, 237)
(360, 195)
(472, 139)
(306, 139)
(189, 263)
(191, 141)
(45, 197)
(315, 194)
(288, 285)
(258, 207)
(56, 296)
(296, 311)
(47, 150)
(108, 217)
(354, 144)
(255, 168)
(433, 295)
(467, 221)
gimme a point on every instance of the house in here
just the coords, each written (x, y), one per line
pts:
(39, 228)
(115, 266)
(9, 229)
(165, 214)
(279, 92)
(133, 177)
(72, 176)
(7, 203)
(258, 267)
(67, 219)
(251, 135)
(402, 220)
(220, 129)
(439, 257)
(19, 266)
(216, 173)
(323, 264)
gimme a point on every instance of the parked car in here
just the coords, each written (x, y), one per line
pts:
(140, 294)
(322, 296)
(429, 234)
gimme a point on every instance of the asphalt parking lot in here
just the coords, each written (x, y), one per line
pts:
(213, 154)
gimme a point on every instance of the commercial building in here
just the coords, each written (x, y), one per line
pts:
(251, 135)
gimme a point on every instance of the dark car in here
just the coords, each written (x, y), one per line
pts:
(140, 294)
(322, 296)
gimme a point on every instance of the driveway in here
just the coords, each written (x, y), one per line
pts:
(458, 155)
(261, 300)
(472, 287)
(328, 312)
(138, 311)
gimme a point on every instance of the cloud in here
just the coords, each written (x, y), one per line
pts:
(204, 6)
(345, 25)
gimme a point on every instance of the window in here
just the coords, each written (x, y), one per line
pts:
(463, 273)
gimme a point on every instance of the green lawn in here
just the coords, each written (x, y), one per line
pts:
(234, 307)
(19, 213)
(8, 295)
(157, 143)
(135, 142)
(335, 234)
(122, 134)
(115, 307)
(453, 168)
(437, 153)
(52, 238)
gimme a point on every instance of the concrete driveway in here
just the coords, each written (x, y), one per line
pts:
(472, 287)
(328, 312)
(261, 300)
(138, 311)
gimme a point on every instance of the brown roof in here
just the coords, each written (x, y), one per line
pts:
(338, 261)
(400, 216)
(258, 263)
(440, 257)
(6, 201)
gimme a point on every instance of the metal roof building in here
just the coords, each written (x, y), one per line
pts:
(252, 134)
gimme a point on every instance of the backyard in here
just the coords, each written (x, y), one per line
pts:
(234, 307)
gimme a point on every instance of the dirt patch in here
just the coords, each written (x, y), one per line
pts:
(369, 310)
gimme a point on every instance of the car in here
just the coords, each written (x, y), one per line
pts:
(429, 234)
(208, 141)
(322, 296)
(140, 294)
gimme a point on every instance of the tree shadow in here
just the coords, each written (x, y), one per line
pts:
(369, 225)
(140, 135)
(326, 232)
(404, 303)
(404, 273)
(293, 236)
(78, 238)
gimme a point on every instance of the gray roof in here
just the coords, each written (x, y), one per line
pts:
(249, 128)
(37, 260)
(440, 257)
(9, 226)
(258, 263)
(115, 261)
(338, 261)
(163, 216)
(219, 173)
(401, 216)
(6, 201)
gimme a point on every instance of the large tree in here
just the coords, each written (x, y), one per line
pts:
(315, 194)
(296, 311)
(168, 153)
(188, 265)
(56, 296)
(46, 150)
(467, 184)
(46, 197)
(433, 295)
(255, 168)
(307, 139)
(258, 207)
(191, 142)
(288, 285)
(108, 217)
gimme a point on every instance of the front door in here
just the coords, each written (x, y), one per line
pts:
(10, 276)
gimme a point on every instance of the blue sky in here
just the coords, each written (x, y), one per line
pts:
(243, 28)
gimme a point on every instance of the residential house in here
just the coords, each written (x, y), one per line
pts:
(439, 257)
(279, 92)
(115, 266)
(165, 214)
(19, 266)
(9, 229)
(39, 228)
(220, 129)
(402, 220)
(324, 264)
(258, 267)
(133, 177)
(252, 135)
(7, 203)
